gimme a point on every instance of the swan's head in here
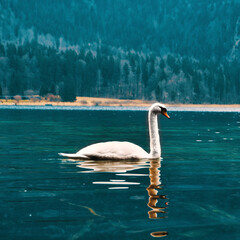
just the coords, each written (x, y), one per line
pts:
(158, 108)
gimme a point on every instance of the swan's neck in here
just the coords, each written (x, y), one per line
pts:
(155, 147)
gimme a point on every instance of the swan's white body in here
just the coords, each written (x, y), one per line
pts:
(110, 150)
(126, 150)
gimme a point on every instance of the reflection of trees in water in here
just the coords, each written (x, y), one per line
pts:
(154, 189)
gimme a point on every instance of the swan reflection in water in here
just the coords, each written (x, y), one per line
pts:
(154, 190)
(116, 166)
(122, 167)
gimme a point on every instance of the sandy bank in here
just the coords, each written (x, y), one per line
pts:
(91, 101)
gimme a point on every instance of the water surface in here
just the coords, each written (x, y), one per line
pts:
(193, 193)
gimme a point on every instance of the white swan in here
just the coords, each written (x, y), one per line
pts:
(126, 150)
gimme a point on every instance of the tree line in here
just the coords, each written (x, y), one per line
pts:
(105, 71)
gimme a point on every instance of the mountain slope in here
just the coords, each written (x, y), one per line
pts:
(174, 51)
(194, 28)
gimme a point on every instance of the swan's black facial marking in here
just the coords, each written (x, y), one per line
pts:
(164, 112)
(163, 109)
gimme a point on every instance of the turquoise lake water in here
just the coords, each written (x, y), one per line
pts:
(193, 193)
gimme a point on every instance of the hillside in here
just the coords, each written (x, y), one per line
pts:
(175, 51)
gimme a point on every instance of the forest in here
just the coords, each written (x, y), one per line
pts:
(172, 51)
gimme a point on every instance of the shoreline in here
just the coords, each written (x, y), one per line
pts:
(108, 102)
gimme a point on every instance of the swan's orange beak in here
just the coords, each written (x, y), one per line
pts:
(165, 114)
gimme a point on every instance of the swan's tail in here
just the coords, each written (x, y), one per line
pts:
(73, 155)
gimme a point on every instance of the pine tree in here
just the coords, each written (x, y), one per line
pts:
(126, 72)
(2, 50)
(68, 92)
(145, 75)
(132, 61)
